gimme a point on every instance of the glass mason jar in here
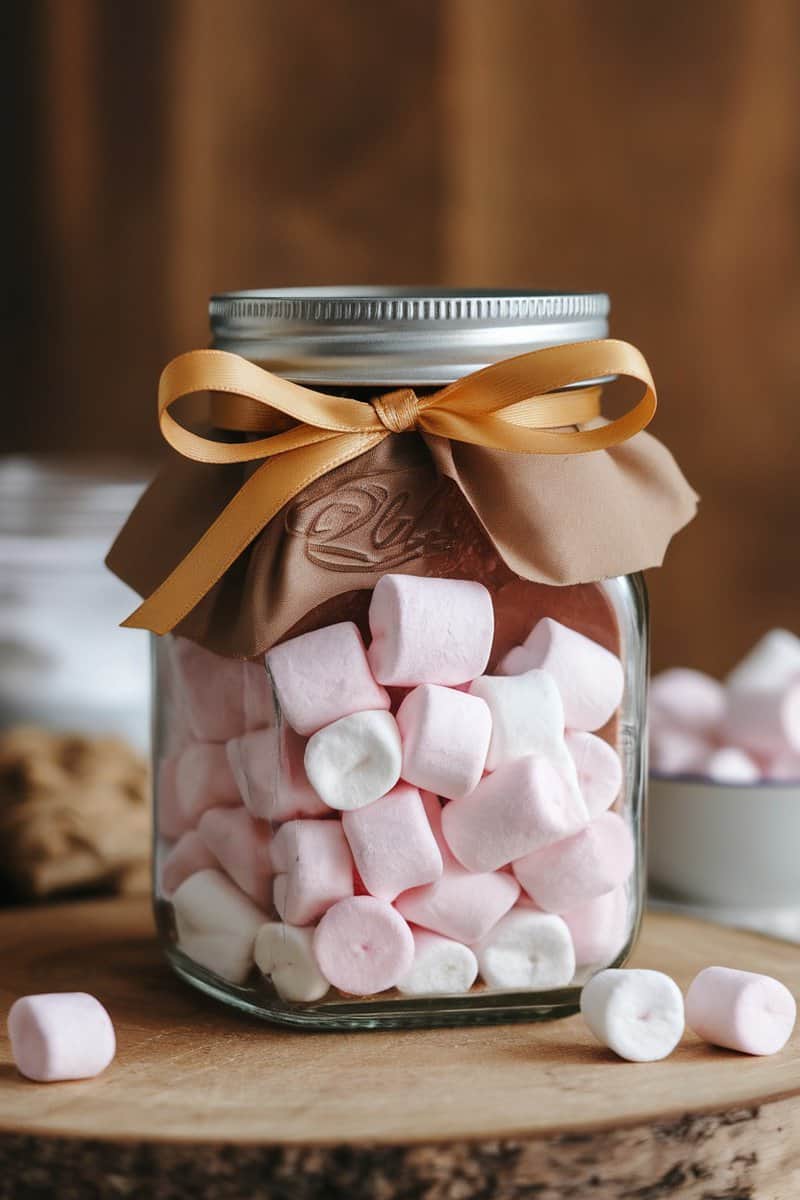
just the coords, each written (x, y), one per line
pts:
(424, 805)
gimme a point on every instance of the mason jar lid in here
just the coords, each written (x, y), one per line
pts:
(415, 336)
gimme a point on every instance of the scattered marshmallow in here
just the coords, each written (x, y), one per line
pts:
(203, 780)
(445, 735)
(313, 869)
(285, 953)
(428, 630)
(60, 1035)
(729, 764)
(599, 770)
(322, 676)
(441, 967)
(764, 721)
(392, 843)
(772, 664)
(217, 924)
(363, 946)
(784, 768)
(210, 691)
(520, 807)
(636, 1013)
(355, 760)
(527, 950)
(189, 855)
(462, 905)
(589, 677)
(687, 699)
(574, 871)
(270, 774)
(741, 1010)
(599, 928)
(240, 845)
(677, 751)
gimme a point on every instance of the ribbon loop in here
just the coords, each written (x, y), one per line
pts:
(398, 412)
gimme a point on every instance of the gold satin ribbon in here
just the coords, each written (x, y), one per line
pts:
(518, 405)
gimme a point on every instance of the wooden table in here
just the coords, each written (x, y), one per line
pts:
(207, 1104)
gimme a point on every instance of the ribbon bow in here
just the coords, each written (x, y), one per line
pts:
(520, 405)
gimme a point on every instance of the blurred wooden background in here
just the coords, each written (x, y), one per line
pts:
(171, 148)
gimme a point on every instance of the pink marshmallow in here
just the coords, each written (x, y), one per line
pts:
(599, 928)
(740, 1010)
(783, 768)
(567, 875)
(589, 677)
(257, 696)
(392, 843)
(203, 779)
(445, 737)
(686, 699)
(241, 847)
(211, 691)
(520, 807)
(170, 818)
(675, 751)
(518, 660)
(363, 946)
(428, 630)
(267, 765)
(313, 869)
(461, 904)
(189, 854)
(729, 764)
(764, 722)
(60, 1035)
(322, 676)
(599, 770)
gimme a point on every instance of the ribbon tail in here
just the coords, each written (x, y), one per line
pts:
(272, 486)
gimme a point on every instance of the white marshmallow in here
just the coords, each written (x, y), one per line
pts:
(527, 950)
(217, 924)
(441, 966)
(589, 677)
(772, 664)
(731, 765)
(355, 760)
(764, 721)
(638, 1014)
(285, 953)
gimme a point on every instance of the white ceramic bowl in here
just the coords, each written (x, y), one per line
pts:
(725, 845)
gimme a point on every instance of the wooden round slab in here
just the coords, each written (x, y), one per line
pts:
(204, 1103)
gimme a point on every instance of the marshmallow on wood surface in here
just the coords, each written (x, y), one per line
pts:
(764, 721)
(217, 924)
(568, 874)
(60, 1035)
(240, 845)
(460, 904)
(599, 928)
(313, 869)
(324, 675)
(356, 760)
(527, 950)
(740, 1010)
(599, 770)
(772, 664)
(445, 735)
(285, 953)
(729, 764)
(210, 691)
(428, 630)
(268, 767)
(589, 677)
(441, 966)
(203, 779)
(520, 807)
(363, 946)
(636, 1013)
(392, 843)
(188, 855)
(676, 751)
(687, 699)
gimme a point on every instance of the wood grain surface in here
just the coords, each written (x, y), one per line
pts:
(204, 1102)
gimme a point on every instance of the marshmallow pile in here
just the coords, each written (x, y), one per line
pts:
(392, 817)
(741, 731)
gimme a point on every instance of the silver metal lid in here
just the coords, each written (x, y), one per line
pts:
(364, 335)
